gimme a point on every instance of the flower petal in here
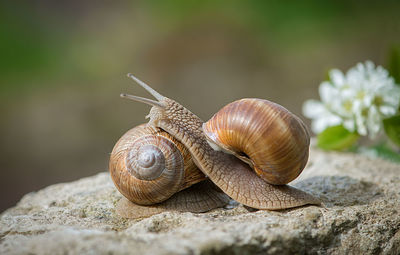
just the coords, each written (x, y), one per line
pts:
(373, 122)
(313, 109)
(349, 125)
(361, 125)
(327, 92)
(337, 77)
(387, 111)
(319, 125)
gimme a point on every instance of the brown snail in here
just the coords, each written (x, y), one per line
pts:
(272, 140)
(149, 166)
(259, 133)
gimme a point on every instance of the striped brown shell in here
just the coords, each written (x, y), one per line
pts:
(148, 166)
(263, 134)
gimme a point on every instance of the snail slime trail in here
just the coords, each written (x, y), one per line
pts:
(268, 146)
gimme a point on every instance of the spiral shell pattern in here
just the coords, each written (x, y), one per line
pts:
(151, 156)
(148, 166)
(265, 135)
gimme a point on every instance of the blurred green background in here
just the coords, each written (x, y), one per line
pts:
(63, 65)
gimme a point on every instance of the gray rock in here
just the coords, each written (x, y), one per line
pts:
(361, 216)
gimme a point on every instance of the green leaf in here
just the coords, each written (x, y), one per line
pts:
(392, 128)
(336, 138)
(394, 64)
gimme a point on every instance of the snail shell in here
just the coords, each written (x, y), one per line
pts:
(234, 177)
(263, 134)
(148, 166)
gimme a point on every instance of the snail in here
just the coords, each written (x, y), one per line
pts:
(272, 140)
(244, 135)
(154, 172)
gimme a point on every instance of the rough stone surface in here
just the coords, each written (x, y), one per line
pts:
(361, 216)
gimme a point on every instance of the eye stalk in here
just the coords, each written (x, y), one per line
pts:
(154, 93)
(142, 100)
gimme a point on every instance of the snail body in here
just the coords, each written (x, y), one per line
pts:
(286, 140)
(200, 197)
(233, 176)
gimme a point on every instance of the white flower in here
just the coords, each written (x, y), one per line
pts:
(359, 100)
(323, 118)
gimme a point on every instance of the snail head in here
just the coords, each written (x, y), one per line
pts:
(163, 108)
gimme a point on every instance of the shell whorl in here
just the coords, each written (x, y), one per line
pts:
(265, 135)
(153, 155)
(148, 166)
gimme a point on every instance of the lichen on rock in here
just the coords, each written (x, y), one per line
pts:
(361, 216)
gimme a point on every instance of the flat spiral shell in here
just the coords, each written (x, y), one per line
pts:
(265, 135)
(151, 156)
(148, 166)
